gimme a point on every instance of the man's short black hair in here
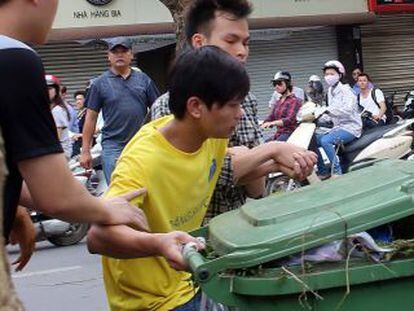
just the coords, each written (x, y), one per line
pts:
(208, 73)
(363, 74)
(80, 92)
(202, 12)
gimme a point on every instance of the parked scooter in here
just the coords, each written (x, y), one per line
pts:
(394, 141)
(62, 233)
(408, 111)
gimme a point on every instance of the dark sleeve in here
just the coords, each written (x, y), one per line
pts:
(152, 93)
(26, 120)
(226, 177)
(292, 111)
(93, 98)
(272, 115)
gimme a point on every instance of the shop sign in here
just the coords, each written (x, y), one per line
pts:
(390, 6)
(99, 2)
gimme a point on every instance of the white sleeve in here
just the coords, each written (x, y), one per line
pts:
(299, 93)
(59, 117)
(347, 105)
(379, 95)
(273, 99)
(100, 121)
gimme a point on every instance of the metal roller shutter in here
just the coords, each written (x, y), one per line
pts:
(74, 64)
(388, 53)
(302, 53)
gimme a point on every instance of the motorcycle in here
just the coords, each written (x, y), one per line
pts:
(61, 233)
(408, 111)
(393, 141)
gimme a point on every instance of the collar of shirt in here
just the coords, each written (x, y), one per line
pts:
(116, 75)
(288, 99)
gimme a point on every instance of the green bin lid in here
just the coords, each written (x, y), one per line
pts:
(278, 226)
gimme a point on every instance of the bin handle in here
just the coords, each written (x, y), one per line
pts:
(194, 260)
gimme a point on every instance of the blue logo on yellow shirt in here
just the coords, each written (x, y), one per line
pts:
(213, 168)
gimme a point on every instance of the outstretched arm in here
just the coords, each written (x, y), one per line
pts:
(125, 243)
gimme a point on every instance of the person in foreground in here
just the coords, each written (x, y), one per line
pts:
(224, 24)
(31, 145)
(177, 158)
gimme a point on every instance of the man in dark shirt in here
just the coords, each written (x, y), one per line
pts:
(124, 96)
(32, 148)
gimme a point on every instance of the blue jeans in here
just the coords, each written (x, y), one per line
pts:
(192, 305)
(368, 123)
(283, 137)
(110, 154)
(328, 142)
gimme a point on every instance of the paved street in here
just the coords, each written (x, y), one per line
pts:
(60, 278)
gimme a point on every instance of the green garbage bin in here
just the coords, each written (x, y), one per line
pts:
(239, 270)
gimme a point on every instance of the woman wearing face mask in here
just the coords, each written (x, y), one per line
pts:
(60, 114)
(343, 112)
(283, 114)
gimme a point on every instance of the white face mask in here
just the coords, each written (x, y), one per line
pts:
(331, 80)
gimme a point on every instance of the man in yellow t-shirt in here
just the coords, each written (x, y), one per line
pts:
(177, 159)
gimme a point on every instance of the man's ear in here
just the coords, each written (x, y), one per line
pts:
(195, 107)
(198, 40)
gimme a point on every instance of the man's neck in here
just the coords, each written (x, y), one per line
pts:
(365, 92)
(13, 33)
(183, 135)
(124, 72)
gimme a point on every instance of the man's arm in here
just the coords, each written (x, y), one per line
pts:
(294, 161)
(152, 93)
(125, 243)
(256, 188)
(57, 193)
(87, 134)
(261, 171)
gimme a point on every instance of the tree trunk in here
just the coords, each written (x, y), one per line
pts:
(8, 297)
(177, 9)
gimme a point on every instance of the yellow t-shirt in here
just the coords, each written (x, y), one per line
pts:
(180, 186)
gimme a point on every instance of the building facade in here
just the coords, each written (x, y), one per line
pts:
(294, 35)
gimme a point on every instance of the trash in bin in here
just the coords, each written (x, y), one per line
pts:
(243, 265)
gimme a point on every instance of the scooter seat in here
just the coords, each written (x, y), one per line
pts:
(368, 137)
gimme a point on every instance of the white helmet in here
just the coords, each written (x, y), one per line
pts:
(314, 78)
(282, 75)
(334, 64)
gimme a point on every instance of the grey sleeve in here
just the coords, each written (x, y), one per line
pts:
(93, 98)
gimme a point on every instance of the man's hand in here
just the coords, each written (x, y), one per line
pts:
(124, 213)
(294, 161)
(171, 244)
(23, 233)
(267, 124)
(86, 159)
(76, 137)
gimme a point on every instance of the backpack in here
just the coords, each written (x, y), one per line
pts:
(389, 103)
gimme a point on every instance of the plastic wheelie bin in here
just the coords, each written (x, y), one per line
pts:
(241, 266)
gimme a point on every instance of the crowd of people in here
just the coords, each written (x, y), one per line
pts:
(351, 110)
(202, 154)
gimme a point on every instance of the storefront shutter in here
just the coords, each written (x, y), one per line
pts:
(301, 52)
(388, 53)
(73, 63)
